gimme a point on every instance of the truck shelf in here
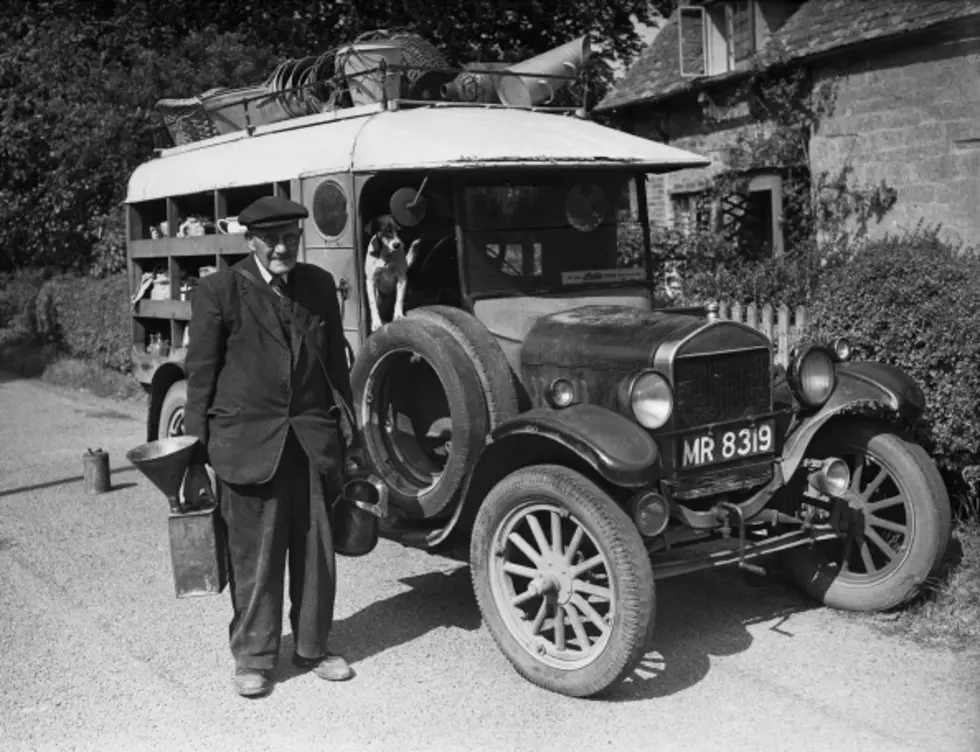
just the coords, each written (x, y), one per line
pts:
(164, 309)
(204, 245)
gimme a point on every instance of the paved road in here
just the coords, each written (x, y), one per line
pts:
(97, 654)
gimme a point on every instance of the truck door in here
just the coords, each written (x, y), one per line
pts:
(329, 242)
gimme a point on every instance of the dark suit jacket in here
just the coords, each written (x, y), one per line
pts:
(246, 386)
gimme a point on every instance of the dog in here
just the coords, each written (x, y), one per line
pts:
(386, 266)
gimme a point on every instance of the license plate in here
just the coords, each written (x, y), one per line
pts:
(726, 444)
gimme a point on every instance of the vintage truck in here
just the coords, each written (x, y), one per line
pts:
(536, 403)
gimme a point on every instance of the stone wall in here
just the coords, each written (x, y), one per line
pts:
(683, 126)
(907, 116)
(910, 117)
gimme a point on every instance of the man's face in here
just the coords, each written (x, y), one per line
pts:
(276, 246)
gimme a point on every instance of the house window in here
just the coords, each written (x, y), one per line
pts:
(743, 30)
(692, 212)
(715, 36)
(692, 43)
(753, 219)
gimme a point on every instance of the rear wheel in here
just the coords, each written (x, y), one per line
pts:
(906, 523)
(563, 580)
(172, 411)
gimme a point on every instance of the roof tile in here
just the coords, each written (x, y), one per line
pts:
(818, 26)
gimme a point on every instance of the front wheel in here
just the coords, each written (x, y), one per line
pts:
(906, 517)
(563, 580)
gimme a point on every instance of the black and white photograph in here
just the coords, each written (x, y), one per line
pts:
(499, 375)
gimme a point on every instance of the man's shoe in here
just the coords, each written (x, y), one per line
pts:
(252, 682)
(329, 667)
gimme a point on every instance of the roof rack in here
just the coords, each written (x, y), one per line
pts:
(362, 74)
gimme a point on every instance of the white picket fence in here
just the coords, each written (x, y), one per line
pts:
(783, 325)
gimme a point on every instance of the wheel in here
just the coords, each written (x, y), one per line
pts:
(907, 523)
(172, 411)
(563, 580)
(422, 409)
(496, 377)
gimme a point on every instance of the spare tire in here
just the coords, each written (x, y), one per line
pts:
(420, 404)
(496, 376)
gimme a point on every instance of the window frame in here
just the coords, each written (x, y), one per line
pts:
(722, 49)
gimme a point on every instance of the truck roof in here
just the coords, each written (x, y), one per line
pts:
(374, 139)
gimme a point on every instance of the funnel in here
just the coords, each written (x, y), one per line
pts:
(164, 462)
(519, 87)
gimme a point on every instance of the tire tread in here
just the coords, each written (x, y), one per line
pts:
(628, 557)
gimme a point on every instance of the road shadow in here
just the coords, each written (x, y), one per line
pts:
(705, 619)
(698, 617)
(435, 601)
(67, 481)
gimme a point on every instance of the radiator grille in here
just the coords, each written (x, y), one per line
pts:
(721, 387)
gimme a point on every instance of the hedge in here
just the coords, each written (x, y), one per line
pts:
(18, 291)
(92, 318)
(912, 302)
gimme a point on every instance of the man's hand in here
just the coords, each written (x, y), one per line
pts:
(354, 462)
(196, 490)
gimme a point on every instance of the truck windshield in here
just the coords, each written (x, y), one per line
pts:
(532, 236)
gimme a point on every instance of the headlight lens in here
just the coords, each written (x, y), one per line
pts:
(815, 377)
(651, 400)
(842, 347)
(562, 393)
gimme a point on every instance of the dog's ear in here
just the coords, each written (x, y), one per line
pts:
(374, 246)
(371, 227)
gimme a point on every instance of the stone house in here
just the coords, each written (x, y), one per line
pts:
(906, 104)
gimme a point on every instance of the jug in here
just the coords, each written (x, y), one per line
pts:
(230, 226)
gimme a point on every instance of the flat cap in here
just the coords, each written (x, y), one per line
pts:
(271, 210)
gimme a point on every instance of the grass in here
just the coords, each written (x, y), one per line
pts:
(948, 613)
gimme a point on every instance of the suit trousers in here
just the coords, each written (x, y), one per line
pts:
(264, 523)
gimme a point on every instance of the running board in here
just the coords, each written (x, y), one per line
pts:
(694, 558)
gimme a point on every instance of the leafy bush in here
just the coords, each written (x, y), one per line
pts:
(712, 270)
(793, 281)
(912, 302)
(18, 292)
(89, 318)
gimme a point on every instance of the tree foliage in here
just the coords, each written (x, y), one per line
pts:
(79, 80)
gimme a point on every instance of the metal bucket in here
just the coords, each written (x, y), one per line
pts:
(356, 515)
(367, 88)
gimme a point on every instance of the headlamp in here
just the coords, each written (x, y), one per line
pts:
(651, 400)
(812, 376)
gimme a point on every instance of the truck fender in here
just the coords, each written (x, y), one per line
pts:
(863, 388)
(615, 448)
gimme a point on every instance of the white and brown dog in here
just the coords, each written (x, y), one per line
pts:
(386, 265)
